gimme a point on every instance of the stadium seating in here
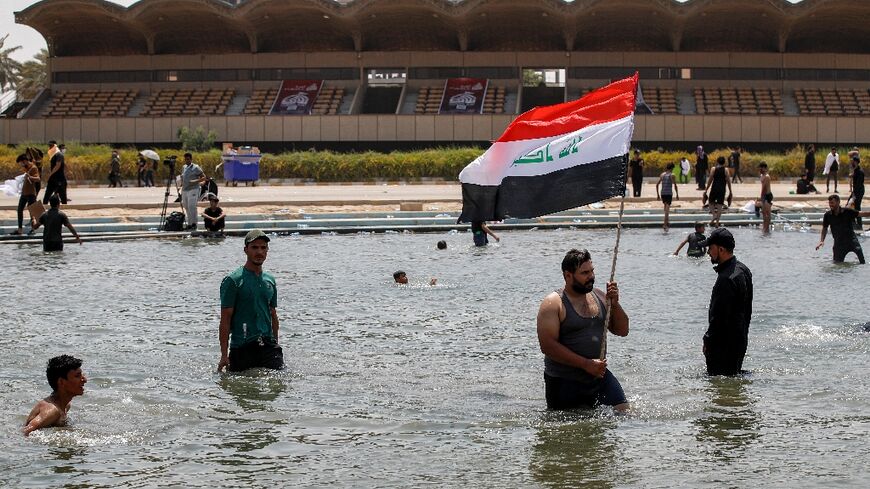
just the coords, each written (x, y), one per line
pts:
(89, 103)
(738, 101)
(328, 101)
(660, 100)
(834, 102)
(429, 100)
(493, 102)
(188, 102)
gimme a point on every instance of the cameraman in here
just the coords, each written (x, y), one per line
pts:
(192, 177)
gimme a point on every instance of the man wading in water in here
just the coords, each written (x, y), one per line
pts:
(249, 299)
(67, 381)
(570, 331)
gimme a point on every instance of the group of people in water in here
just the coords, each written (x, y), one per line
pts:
(572, 322)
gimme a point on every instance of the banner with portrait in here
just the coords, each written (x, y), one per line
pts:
(296, 97)
(463, 96)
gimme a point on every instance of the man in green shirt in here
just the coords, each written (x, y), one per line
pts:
(249, 320)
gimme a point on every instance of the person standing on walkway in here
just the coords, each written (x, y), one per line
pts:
(570, 328)
(249, 318)
(685, 169)
(810, 163)
(840, 220)
(668, 188)
(635, 171)
(766, 198)
(730, 311)
(115, 170)
(856, 188)
(734, 164)
(54, 220)
(716, 185)
(57, 182)
(192, 178)
(28, 189)
(701, 166)
(832, 166)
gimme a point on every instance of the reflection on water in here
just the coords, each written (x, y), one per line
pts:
(729, 423)
(254, 389)
(576, 449)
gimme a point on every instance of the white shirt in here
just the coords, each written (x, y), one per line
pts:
(830, 161)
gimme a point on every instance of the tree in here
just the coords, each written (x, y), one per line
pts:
(8, 67)
(197, 140)
(532, 78)
(33, 76)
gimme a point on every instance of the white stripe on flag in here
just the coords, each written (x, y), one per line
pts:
(533, 157)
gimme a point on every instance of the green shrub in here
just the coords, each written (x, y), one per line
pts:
(197, 140)
(91, 163)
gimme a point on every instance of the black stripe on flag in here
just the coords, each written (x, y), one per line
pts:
(527, 197)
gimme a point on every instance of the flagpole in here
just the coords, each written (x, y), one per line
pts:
(601, 355)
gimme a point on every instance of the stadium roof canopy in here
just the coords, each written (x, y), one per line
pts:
(98, 27)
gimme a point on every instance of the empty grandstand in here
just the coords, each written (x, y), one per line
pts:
(711, 70)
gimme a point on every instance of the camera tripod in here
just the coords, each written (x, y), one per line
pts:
(169, 181)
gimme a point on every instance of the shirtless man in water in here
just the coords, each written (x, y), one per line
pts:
(766, 199)
(67, 381)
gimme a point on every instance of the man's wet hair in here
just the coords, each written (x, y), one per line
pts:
(762, 165)
(833, 197)
(188, 155)
(442, 245)
(574, 258)
(54, 200)
(720, 160)
(670, 166)
(60, 367)
(700, 224)
(397, 274)
(22, 157)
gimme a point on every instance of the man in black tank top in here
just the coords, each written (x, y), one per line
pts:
(570, 332)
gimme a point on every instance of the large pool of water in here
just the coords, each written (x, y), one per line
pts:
(430, 386)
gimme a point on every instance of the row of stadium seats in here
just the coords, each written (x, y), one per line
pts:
(89, 103)
(709, 100)
(661, 100)
(328, 101)
(829, 101)
(204, 101)
(429, 100)
(738, 101)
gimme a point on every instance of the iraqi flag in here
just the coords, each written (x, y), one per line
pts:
(554, 158)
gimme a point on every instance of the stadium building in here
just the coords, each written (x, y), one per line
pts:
(373, 73)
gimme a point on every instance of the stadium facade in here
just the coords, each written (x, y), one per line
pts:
(713, 71)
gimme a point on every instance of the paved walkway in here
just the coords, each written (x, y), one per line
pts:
(84, 198)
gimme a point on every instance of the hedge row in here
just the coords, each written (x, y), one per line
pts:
(91, 163)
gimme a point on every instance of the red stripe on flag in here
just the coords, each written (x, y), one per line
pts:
(606, 104)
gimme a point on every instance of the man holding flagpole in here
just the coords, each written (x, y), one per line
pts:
(571, 331)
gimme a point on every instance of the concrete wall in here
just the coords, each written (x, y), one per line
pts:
(428, 128)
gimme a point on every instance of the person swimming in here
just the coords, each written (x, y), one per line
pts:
(67, 380)
(401, 278)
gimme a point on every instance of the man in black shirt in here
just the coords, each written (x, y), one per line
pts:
(213, 215)
(57, 177)
(840, 221)
(730, 311)
(734, 164)
(810, 163)
(635, 169)
(54, 219)
(857, 188)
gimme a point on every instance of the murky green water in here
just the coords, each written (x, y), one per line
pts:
(439, 386)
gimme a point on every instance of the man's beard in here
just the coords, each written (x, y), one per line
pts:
(583, 288)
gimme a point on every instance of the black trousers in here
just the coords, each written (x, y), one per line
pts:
(55, 187)
(256, 355)
(636, 184)
(24, 201)
(843, 249)
(701, 176)
(725, 359)
(858, 197)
